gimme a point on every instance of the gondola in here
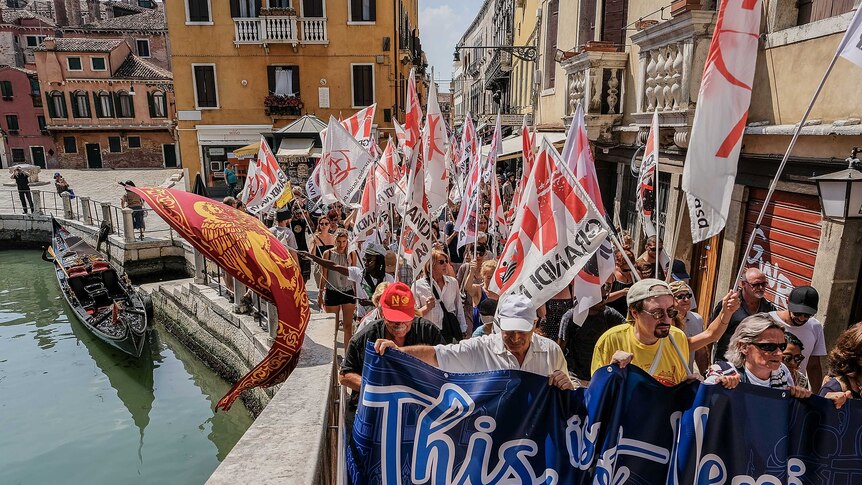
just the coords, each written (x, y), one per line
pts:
(105, 302)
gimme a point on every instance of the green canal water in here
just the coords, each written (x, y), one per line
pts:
(75, 411)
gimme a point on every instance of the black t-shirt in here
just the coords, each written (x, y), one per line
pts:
(738, 316)
(456, 254)
(620, 303)
(581, 340)
(22, 180)
(299, 229)
(423, 332)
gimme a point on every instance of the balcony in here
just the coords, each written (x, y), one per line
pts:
(278, 106)
(672, 56)
(280, 29)
(595, 81)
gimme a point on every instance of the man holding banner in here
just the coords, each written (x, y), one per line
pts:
(515, 347)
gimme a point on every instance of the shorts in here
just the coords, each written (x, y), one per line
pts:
(305, 268)
(332, 297)
(137, 216)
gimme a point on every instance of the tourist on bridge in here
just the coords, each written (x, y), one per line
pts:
(136, 203)
(22, 181)
(516, 347)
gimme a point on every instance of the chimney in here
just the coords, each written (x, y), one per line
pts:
(95, 11)
(60, 17)
(73, 12)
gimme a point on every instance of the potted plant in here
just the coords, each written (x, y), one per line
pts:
(279, 104)
(278, 12)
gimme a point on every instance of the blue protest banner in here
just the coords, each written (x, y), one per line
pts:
(417, 424)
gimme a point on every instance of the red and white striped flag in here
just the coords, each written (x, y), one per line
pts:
(417, 239)
(497, 226)
(555, 233)
(367, 215)
(528, 154)
(647, 191)
(359, 125)
(719, 121)
(265, 182)
(343, 165)
(434, 145)
(412, 118)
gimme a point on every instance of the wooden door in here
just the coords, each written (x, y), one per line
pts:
(94, 155)
(704, 272)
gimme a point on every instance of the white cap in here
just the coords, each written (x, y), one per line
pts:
(516, 312)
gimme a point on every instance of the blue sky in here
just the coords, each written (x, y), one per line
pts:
(441, 24)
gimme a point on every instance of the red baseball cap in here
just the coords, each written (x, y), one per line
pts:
(397, 303)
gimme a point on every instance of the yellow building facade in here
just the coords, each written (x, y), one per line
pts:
(243, 68)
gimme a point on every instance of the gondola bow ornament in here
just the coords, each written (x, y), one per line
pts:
(246, 250)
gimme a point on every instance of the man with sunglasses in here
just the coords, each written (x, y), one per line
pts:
(650, 341)
(752, 290)
(792, 357)
(798, 319)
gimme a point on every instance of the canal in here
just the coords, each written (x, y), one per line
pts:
(75, 411)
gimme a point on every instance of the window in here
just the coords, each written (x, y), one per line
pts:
(146, 3)
(279, 3)
(551, 43)
(18, 155)
(198, 10)
(80, 104)
(74, 63)
(36, 92)
(12, 124)
(283, 80)
(104, 105)
(143, 47)
(205, 85)
(6, 89)
(362, 79)
(37, 156)
(363, 10)
(33, 41)
(813, 10)
(125, 105)
(70, 145)
(114, 144)
(158, 104)
(98, 64)
(248, 8)
(57, 105)
(134, 142)
(43, 128)
(312, 8)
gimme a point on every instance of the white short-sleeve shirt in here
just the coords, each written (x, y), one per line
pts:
(486, 353)
(450, 295)
(811, 336)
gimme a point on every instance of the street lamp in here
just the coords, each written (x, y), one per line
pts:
(841, 192)
(525, 52)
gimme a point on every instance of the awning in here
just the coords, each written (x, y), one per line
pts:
(316, 153)
(247, 151)
(295, 147)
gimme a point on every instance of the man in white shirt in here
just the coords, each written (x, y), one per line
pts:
(437, 292)
(517, 347)
(799, 320)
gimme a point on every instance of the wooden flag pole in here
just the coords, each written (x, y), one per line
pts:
(784, 160)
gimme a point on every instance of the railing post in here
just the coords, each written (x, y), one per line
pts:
(86, 215)
(67, 205)
(199, 267)
(238, 293)
(106, 214)
(128, 228)
(272, 319)
(37, 202)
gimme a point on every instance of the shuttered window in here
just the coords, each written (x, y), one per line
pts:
(80, 104)
(614, 21)
(6, 89)
(56, 104)
(283, 80)
(104, 105)
(199, 10)
(246, 8)
(312, 8)
(551, 43)
(363, 85)
(363, 10)
(157, 102)
(114, 144)
(125, 105)
(814, 10)
(205, 86)
(70, 145)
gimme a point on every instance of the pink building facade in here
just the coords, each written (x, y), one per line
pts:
(22, 119)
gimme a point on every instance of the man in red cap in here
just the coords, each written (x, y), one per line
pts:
(399, 324)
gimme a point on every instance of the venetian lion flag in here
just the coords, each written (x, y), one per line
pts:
(719, 121)
(265, 183)
(556, 231)
(246, 250)
(343, 165)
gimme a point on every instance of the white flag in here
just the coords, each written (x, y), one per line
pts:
(434, 146)
(719, 121)
(265, 183)
(343, 165)
(555, 234)
(647, 189)
(416, 239)
(312, 186)
(366, 217)
(359, 125)
(851, 45)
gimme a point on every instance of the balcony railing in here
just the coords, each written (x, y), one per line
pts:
(595, 82)
(284, 29)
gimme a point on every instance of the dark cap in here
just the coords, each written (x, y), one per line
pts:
(283, 215)
(488, 307)
(678, 271)
(803, 299)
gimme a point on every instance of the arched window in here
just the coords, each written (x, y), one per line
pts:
(158, 104)
(125, 105)
(57, 104)
(80, 104)
(104, 105)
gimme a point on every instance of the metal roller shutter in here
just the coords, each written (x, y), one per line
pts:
(785, 248)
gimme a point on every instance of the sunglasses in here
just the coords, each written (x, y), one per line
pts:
(802, 316)
(757, 285)
(660, 314)
(683, 296)
(797, 359)
(769, 346)
(442, 261)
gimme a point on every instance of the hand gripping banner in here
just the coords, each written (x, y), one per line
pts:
(246, 250)
(420, 425)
